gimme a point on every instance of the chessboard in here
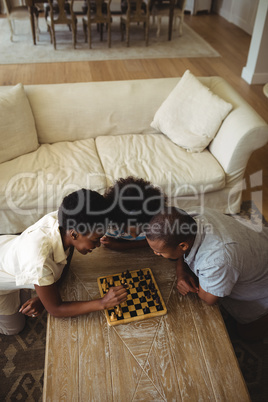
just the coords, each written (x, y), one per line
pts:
(144, 299)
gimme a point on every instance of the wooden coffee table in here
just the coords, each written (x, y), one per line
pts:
(185, 355)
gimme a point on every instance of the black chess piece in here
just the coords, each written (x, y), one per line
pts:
(155, 295)
(140, 273)
(128, 275)
(139, 288)
(148, 275)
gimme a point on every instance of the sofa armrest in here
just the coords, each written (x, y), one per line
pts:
(237, 140)
(241, 133)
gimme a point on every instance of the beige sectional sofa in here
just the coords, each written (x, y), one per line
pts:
(90, 134)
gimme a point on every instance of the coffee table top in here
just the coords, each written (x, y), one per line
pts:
(183, 355)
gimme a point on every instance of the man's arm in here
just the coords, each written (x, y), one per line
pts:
(122, 244)
(207, 297)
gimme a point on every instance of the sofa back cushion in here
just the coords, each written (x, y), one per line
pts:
(69, 112)
(18, 134)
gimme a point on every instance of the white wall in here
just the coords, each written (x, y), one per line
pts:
(240, 12)
(256, 70)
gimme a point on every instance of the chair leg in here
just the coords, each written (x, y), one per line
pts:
(127, 35)
(101, 32)
(54, 38)
(74, 28)
(89, 34)
(50, 33)
(11, 29)
(109, 35)
(147, 33)
(158, 26)
(122, 26)
(180, 25)
(37, 29)
(85, 30)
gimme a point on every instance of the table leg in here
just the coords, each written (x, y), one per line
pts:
(171, 13)
(31, 10)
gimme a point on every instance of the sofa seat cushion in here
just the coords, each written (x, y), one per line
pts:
(157, 159)
(39, 180)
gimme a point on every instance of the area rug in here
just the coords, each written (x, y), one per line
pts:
(22, 356)
(22, 50)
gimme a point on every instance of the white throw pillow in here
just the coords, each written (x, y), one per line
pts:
(18, 134)
(191, 115)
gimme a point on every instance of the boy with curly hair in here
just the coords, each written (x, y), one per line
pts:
(133, 202)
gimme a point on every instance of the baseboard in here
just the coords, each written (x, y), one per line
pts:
(254, 78)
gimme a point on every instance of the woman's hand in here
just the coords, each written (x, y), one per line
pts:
(115, 296)
(32, 307)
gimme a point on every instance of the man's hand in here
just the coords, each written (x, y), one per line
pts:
(115, 296)
(122, 244)
(186, 283)
(111, 243)
(186, 280)
(32, 307)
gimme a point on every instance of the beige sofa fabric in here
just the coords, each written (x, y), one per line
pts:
(18, 135)
(158, 159)
(93, 133)
(38, 181)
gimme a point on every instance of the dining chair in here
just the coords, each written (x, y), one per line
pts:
(137, 12)
(18, 12)
(97, 12)
(161, 8)
(60, 15)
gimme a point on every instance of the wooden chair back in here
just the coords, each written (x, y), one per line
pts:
(61, 17)
(138, 11)
(98, 12)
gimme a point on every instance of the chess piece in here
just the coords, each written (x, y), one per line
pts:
(113, 316)
(148, 276)
(128, 275)
(139, 288)
(104, 285)
(140, 273)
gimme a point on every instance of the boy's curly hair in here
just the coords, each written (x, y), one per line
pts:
(134, 199)
(83, 210)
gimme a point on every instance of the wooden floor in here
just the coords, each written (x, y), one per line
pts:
(230, 41)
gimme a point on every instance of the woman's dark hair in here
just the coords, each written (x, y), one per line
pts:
(172, 226)
(83, 210)
(134, 200)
